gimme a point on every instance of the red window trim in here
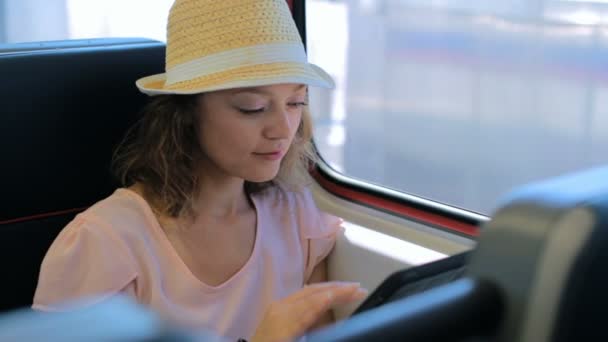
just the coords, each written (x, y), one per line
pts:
(399, 209)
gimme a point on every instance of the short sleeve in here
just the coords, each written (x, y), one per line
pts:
(319, 231)
(85, 262)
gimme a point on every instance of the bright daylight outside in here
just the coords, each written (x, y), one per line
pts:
(461, 101)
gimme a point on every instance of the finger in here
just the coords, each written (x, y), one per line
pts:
(344, 296)
(360, 294)
(320, 301)
(326, 298)
(312, 289)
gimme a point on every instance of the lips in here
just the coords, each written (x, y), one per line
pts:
(267, 153)
(274, 155)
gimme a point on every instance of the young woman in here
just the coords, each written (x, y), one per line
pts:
(214, 227)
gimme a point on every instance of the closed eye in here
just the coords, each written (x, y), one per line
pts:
(251, 111)
(260, 110)
(298, 104)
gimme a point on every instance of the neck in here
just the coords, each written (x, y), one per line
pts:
(221, 197)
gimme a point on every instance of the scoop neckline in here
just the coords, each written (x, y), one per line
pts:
(169, 246)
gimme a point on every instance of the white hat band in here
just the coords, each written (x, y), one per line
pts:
(236, 58)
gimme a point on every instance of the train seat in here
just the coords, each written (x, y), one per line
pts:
(65, 106)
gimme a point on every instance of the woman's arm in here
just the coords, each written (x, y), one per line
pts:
(319, 275)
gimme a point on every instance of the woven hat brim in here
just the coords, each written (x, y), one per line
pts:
(249, 76)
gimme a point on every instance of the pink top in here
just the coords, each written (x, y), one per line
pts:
(117, 245)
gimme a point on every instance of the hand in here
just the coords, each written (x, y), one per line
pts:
(290, 317)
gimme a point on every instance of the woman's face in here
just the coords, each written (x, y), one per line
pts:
(246, 132)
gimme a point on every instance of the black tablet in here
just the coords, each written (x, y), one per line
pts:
(416, 279)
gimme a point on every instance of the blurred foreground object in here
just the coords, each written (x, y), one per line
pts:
(115, 319)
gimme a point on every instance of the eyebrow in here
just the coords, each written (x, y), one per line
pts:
(262, 90)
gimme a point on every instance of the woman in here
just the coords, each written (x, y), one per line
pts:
(214, 228)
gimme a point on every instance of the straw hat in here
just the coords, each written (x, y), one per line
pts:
(213, 45)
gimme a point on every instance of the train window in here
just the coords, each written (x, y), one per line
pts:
(44, 20)
(460, 101)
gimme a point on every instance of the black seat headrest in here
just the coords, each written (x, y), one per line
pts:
(63, 112)
(546, 249)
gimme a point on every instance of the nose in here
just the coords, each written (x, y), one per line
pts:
(279, 126)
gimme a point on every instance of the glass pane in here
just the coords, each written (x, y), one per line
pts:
(42, 20)
(460, 101)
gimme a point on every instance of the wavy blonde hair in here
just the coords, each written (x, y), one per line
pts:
(161, 152)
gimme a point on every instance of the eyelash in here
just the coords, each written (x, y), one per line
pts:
(255, 111)
(298, 104)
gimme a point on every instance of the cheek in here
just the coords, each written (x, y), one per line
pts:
(211, 140)
(226, 141)
(295, 124)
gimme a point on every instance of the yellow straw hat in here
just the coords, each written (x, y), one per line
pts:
(213, 45)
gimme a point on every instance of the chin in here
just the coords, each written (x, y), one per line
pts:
(261, 177)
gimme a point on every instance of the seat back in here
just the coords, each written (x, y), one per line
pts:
(65, 107)
(546, 248)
